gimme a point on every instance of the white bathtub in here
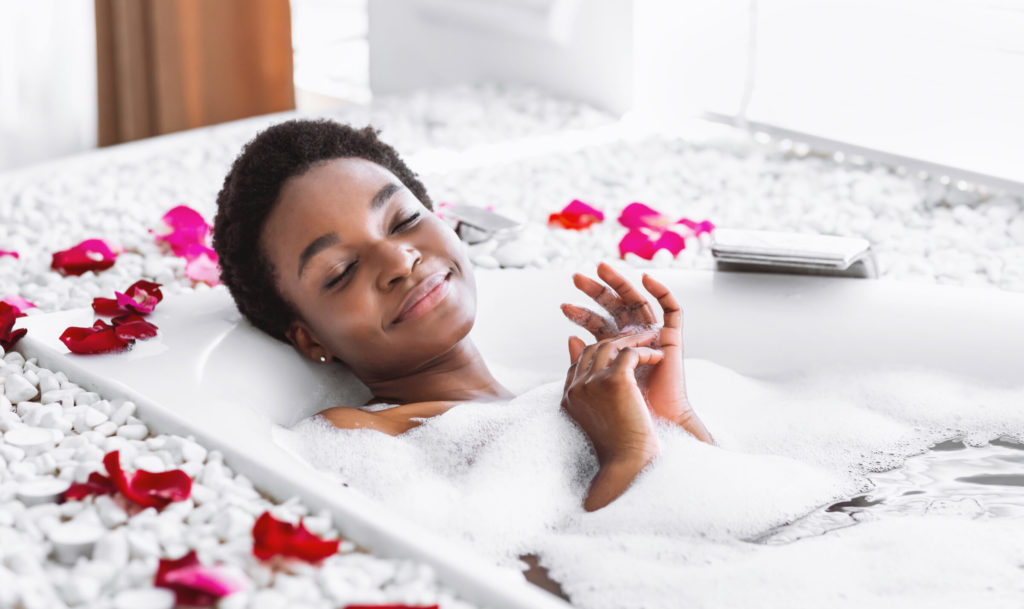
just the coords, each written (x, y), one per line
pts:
(213, 376)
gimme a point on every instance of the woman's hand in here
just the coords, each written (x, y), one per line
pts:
(664, 385)
(601, 395)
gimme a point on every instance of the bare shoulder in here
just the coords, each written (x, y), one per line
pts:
(393, 421)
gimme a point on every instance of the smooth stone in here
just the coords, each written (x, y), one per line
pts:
(112, 548)
(144, 598)
(18, 389)
(150, 463)
(133, 431)
(41, 490)
(72, 540)
(29, 439)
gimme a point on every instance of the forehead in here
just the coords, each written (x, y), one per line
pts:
(337, 181)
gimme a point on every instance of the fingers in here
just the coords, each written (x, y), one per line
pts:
(628, 359)
(576, 346)
(600, 354)
(668, 302)
(598, 325)
(601, 294)
(630, 296)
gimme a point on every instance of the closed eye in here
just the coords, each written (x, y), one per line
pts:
(343, 274)
(407, 222)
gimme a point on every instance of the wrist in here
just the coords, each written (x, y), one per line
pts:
(614, 477)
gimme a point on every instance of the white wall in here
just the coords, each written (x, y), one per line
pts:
(577, 48)
(47, 80)
(939, 80)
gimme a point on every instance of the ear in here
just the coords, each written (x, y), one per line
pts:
(302, 338)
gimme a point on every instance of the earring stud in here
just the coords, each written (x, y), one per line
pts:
(323, 358)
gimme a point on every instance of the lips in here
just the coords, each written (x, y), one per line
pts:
(418, 293)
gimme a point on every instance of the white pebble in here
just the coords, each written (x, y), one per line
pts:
(144, 598)
(81, 589)
(15, 359)
(48, 381)
(121, 413)
(112, 548)
(86, 398)
(72, 540)
(41, 490)
(107, 429)
(29, 439)
(133, 432)
(232, 523)
(18, 389)
(110, 513)
(143, 544)
(150, 463)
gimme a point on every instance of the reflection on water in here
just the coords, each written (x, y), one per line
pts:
(951, 479)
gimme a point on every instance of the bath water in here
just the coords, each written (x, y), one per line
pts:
(805, 502)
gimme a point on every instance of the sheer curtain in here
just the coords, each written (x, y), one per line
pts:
(47, 80)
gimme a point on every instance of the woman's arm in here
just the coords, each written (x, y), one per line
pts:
(393, 421)
(614, 478)
(353, 418)
(601, 395)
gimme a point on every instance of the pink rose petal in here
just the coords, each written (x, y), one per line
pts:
(182, 226)
(638, 215)
(202, 264)
(10, 253)
(636, 242)
(19, 303)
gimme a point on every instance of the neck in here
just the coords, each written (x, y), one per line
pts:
(457, 375)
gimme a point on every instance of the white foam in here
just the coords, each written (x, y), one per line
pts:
(509, 478)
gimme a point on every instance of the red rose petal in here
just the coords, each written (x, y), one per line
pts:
(19, 303)
(173, 485)
(132, 326)
(97, 484)
(106, 306)
(194, 584)
(100, 338)
(8, 335)
(577, 215)
(272, 537)
(89, 255)
(148, 489)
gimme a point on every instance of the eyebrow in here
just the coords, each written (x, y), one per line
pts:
(328, 239)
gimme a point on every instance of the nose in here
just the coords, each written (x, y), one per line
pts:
(397, 262)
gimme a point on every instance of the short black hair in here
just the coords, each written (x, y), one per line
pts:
(251, 190)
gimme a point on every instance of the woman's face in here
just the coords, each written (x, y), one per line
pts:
(378, 280)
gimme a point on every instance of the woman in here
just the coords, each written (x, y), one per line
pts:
(326, 241)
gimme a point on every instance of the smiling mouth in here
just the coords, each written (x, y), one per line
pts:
(424, 296)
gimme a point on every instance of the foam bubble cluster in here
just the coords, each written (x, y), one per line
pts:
(508, 478)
